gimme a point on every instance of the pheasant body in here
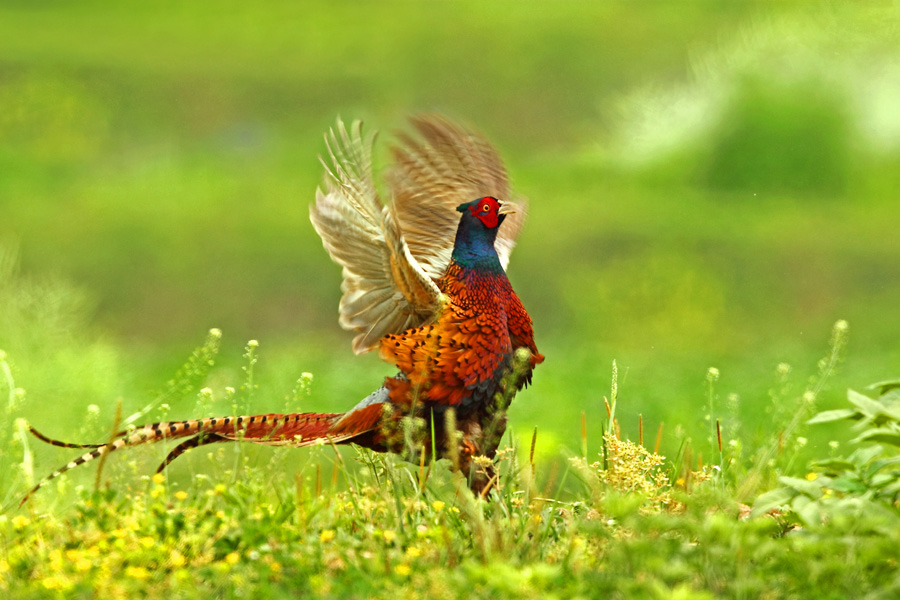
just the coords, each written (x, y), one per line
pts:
(460, 361)
(448, 316)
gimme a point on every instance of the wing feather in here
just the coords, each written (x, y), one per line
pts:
(433, 175)
(392, 256)
(385, 289)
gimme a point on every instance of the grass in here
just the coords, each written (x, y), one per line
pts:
(620, 521)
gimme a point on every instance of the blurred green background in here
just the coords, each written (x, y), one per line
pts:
(711, 184)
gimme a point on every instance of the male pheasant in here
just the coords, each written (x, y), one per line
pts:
(424, 283)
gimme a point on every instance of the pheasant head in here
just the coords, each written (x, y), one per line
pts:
(477, 232)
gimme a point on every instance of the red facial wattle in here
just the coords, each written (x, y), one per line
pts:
(486, 211)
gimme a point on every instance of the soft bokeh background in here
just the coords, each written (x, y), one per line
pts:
(711, 184)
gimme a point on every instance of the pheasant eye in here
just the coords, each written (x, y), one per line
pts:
(486, 208)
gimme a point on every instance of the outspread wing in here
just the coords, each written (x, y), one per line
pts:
(385, 288)
(433, 175)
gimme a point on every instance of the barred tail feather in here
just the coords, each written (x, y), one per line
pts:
(197, 440)
(53, 442)
(296, 429)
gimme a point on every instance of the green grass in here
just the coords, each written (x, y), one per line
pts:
(618, 521)
(711, 185)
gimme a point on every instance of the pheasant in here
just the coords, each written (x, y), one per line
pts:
(424, 283)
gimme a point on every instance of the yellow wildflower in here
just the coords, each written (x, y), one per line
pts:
(389, 535)
(55, 582)
(812, 476)
(176, 558)
(402, 570)
(147, 542)
(137, 573)
(181, 495)
(159, 479)
(20, 521)
(437, 505)
(56, 559)
(83, 564)
(232, 558)
(326, 536)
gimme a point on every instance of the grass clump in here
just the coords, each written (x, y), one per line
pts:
(320, 523)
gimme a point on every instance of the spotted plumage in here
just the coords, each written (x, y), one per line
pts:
(425, 285)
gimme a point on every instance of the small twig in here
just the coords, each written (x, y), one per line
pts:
(112, 438)
(531, 455)
(641, 430)
(489, 485)
(422, 468)
(340, 461)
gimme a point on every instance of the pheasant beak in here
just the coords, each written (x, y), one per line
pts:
(508, 208)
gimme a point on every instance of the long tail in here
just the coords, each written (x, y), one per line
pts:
(296, 429)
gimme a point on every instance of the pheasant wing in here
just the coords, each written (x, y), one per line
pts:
(434, 174)
(385, 289)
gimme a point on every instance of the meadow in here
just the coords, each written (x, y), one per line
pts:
(713, 215)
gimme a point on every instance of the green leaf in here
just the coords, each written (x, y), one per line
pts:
(885, 386)
(848, 485)
(812, 489)
(892, 489)
(862, 456)
(809, 511)
(771, 500)
(882, 434)
(827, 416)
(868, 406)
(881, 410)
(881, 463)
(834, 464)
(891, 411)
(890, 397)
(882, 479)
